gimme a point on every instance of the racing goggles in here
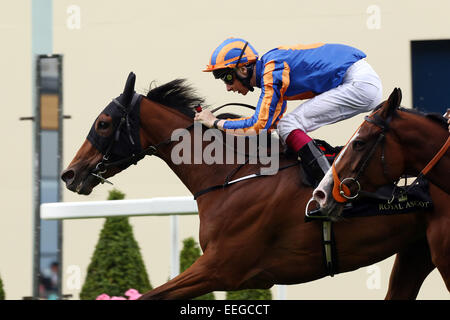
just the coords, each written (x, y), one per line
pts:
(226, 75)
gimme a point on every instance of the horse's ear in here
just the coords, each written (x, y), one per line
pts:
(392, 103)
(128, 91)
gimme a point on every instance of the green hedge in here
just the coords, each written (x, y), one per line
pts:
(2, 292)
(250, 294)
(192, 252)
(188, 255)
(116, 264)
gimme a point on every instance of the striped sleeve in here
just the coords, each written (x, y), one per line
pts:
(270, 104)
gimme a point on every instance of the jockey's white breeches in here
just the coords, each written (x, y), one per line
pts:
(360, 91)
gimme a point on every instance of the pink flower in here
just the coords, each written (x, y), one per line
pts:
(103, 296)
(133, 294)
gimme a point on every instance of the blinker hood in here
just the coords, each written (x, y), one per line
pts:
(125, 139)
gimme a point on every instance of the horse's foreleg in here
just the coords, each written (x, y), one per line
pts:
(412, 265)
(193, 282)
(439, 241)
(437, 232)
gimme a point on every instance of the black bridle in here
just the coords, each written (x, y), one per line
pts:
(124, 124)
(106, 163)
(384, 125)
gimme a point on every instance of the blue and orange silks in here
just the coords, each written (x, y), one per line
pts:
(295, 73)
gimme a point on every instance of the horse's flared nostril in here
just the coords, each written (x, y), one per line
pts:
(320, 196)
(67, 176)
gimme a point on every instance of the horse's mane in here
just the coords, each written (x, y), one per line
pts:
(177, 94)
(433, 116)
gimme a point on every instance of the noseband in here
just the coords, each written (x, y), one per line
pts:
(341, 191)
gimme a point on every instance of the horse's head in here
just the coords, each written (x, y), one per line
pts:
(110, 145)
(365, 163)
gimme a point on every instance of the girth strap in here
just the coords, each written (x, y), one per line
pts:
(328, 246)
(228, 183)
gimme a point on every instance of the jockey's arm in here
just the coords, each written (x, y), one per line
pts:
(271, 104)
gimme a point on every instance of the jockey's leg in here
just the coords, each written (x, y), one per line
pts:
(360, 91)
(314, 163)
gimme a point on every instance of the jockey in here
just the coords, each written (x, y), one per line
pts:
(336, 79)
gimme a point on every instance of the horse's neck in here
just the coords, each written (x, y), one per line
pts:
(158, 124)
(420, 139)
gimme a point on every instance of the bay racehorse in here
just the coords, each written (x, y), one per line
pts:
(252, 233)
(392, 142)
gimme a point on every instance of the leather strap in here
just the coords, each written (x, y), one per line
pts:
(436, 158)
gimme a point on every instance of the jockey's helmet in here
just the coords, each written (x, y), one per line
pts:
(227, 55)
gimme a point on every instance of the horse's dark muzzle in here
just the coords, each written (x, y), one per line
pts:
(80, 182)
(68, 176)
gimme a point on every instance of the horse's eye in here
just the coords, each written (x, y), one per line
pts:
(358, 145)
(102, 125)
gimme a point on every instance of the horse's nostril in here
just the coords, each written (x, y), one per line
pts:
(320, 194)
(67, 176)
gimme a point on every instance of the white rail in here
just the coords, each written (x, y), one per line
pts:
(102, 209)
(167, 206)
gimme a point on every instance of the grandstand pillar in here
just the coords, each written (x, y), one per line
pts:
(47, 145)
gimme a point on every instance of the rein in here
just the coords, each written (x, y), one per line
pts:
(229, 104)
(436, 158)
(431, 164)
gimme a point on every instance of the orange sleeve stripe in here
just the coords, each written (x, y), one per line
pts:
(267, 111)
(267, 101)
(286, 81)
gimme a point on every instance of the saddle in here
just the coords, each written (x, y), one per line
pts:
(329, 151)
